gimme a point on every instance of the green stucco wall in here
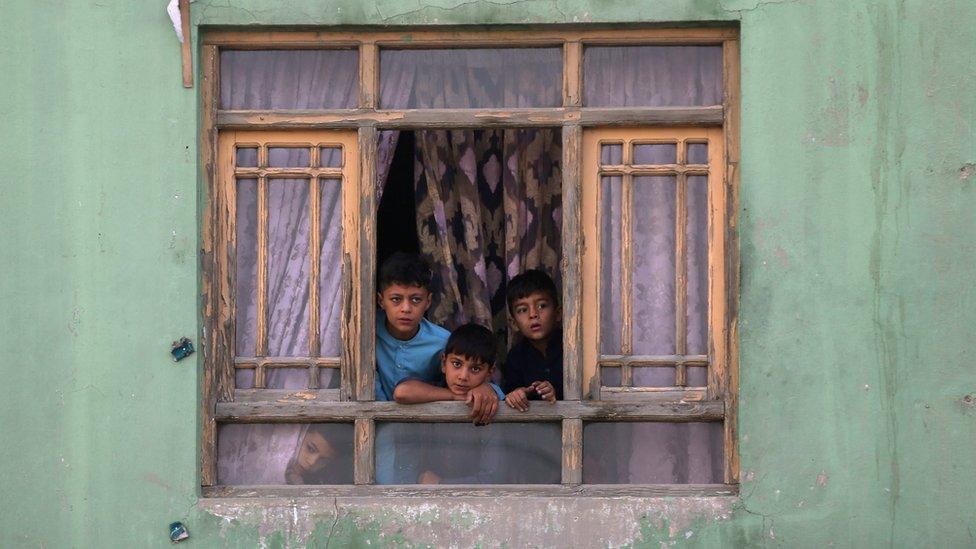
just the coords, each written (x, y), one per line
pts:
(858, 196)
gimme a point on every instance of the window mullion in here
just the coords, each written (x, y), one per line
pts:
(572, 238)
(262, 261)
(364, 462)
(365, 266)
(572, 451)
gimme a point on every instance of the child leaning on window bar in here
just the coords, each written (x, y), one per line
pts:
(468, 362)
(408, 346)
(533, 369)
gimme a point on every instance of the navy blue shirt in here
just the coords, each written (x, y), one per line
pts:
(526, 364)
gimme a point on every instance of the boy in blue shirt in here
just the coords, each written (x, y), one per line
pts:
(534, 366)
(408, 346)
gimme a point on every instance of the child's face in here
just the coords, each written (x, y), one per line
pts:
(405, 307)
(463, 373)
(314, 452)
(535, 316)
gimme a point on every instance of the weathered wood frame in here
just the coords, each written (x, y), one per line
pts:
(351, 403)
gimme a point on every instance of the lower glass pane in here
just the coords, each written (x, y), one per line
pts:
(654, 376)
(269, 454)
(652, 453)
(462, 453)
(286, 378)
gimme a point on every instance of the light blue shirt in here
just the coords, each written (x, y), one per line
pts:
(415, 358)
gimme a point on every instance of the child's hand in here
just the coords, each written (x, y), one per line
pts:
(429, 477)
(545, 390)
(483, 403)
(517, 399)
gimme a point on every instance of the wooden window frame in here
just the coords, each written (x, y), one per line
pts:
(354, 402)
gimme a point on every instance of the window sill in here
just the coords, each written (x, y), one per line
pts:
(488, 490)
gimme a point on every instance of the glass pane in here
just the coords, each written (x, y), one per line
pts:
(330, 157)
(610, 376)
(461, 453)
(654, 376)
(247, 157)
(697, 264)
(330, 271)
(286, 378)
(654, 248)
(329, 378)
(288, 264)
(487, 78)
(697, 153)
(611, 155)
(611, 310)
(696, 376)
(270, 454)
(245, 293)
(288, 157)
(652, 453)
(656, 153)
(289, 79)
(652, 76)
(244, 378)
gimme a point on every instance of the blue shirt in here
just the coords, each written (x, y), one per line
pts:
(415, 358)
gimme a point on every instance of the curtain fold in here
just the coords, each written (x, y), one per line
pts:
(488, 207)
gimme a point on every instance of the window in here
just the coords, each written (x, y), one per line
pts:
(632, 136)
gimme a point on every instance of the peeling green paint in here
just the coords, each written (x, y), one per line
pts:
(857, 301)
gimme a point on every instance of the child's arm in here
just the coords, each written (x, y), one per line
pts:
(518, 398)
(414, 391)
(483, 401)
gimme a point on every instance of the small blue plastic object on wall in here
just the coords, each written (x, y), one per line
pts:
(182, 349)
(178, 532)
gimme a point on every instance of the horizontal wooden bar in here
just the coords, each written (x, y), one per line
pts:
(653, 360)
(292, 172)
(485, 490)
(304, 406)
(286, 395)
(456, 38)
(286, 362)
(661, 169)
(645, 394)
(461, 118)
(666, 116)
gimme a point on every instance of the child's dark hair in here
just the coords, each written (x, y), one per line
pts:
(406, 269)
(473, 341)
(528, 283)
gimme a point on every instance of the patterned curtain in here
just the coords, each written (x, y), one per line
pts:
(488, 208)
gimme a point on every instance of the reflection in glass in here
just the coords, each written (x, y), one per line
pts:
(654, 252)
(611, 310)
(330, 157)
(270, 454)
(289, 79)
(654, 376)
(330, 271)
(461, 453)
(696, 250)
(652, 453)
(697, 153)
(469, 78)
(245, 292)
(288, 264)
(247, 157)
(288, 157)
(656, 153)
(652, 76)
(611, 154)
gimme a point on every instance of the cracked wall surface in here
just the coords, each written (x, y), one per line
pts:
(857, 223)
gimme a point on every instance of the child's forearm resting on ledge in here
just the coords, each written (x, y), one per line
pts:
(414, 391)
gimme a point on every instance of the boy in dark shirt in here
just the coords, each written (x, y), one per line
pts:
(534, 366)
